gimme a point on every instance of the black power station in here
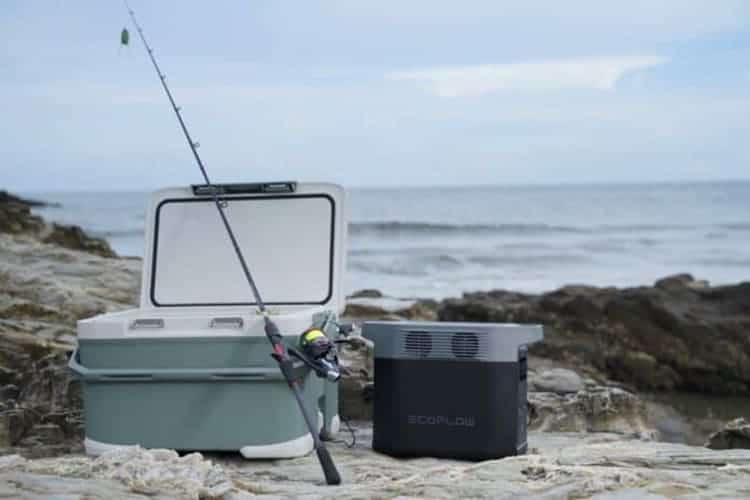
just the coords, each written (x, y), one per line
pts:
(453, 390)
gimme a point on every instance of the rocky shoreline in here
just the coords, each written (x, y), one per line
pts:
(602, 346)
(679, 335)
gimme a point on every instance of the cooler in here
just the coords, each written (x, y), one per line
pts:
(190, 368)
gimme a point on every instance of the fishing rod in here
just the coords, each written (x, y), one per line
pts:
(280, 352)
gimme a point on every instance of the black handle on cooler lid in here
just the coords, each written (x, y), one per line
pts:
(244, 188)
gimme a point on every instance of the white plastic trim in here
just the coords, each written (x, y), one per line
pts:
(96, 448)
(289, 449)
(193, 322)
(335, 424)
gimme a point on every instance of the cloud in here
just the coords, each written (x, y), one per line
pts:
(599, 73)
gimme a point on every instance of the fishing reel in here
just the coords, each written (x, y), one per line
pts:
(319, 352)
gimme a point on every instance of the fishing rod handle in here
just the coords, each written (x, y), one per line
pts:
(326, 462)
(329, 469)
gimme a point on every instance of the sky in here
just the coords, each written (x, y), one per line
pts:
(375, 93)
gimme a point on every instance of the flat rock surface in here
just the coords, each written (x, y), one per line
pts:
(559, 465)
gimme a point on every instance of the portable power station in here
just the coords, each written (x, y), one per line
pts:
(452, 390)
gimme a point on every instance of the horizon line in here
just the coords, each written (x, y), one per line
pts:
(564, 184)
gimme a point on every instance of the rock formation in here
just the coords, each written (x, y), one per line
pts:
(44, 290)
(736, 434)
(680, 334)
(45, 287)
(594, 409)
(16, 218)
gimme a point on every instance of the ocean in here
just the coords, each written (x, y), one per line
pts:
(435, 242)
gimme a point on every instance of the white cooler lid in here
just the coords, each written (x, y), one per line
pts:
(293, 242)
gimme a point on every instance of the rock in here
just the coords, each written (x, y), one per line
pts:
(74, 237)
(557, 380)
(673, 426)
(367, 293)
(356, 361)
(735, 434)
(675, 282)
(6, 438)
(388, 308)
(7, 198)
(421, 310)
(677, 335)
(595, 409)
(24, 485)
(44, 290)
(16, 218)
(561, 465)
(44, 414)
(147, 472)
(355, 311)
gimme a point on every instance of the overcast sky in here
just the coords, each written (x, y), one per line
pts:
(375, 93)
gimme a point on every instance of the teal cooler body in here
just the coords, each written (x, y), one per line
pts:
(191, 370)
(196, 393)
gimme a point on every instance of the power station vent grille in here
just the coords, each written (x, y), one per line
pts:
(460, 346)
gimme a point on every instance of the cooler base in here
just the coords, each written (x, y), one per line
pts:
(290, 449)
(96, 448)
(293, 448)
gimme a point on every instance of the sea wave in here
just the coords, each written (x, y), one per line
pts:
(427, 228)
(637, 228)
(389, 269)
(539, 259)
(414, 228)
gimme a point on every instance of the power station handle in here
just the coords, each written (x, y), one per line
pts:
(175, 374)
